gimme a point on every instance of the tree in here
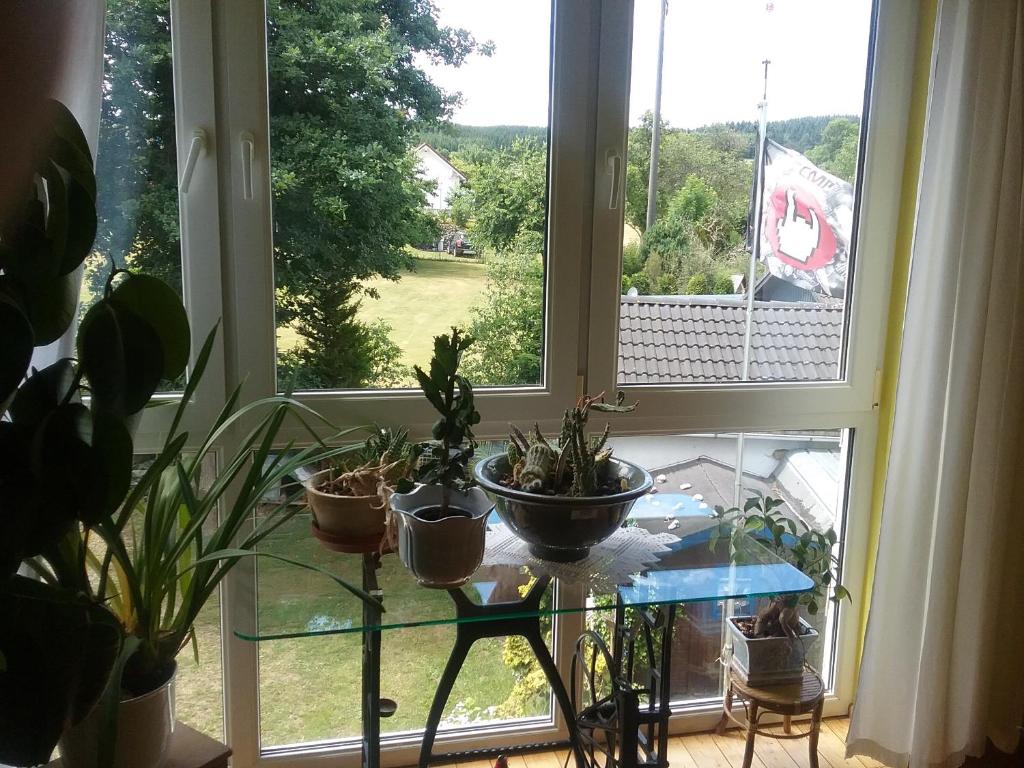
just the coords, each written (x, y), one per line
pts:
(507, 192)
(837, 152)
(346, 102)
(509, 324)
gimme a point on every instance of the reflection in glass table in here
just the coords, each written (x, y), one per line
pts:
(507, 600)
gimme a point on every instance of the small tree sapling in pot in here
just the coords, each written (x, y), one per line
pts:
(770, 647)
(442, 518)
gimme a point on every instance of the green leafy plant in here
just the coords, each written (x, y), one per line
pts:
(445, 460)
(761, 523)
(65, 437)
(575, 465)
(377, 466)
(154, 562)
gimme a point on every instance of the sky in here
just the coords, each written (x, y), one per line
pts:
(713, 53)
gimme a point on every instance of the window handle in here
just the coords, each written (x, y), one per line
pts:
(613, 166)
(248, 149)
(195, 149)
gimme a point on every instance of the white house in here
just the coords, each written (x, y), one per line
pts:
(445, 177)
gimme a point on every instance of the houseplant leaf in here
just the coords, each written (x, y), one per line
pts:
(157, 304)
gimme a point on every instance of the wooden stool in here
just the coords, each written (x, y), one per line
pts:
(805, 697)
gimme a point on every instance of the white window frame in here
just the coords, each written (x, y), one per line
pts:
(220, 73)
(849, 402)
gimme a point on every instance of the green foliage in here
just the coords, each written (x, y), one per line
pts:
(837, 151)
(507, 194)
(722, 285)
(454, 138)
(66, 465)
(346, 102)
(509, 324)
(698, 285)
(159, 561)
(445, 460)
(760, 523)
(632, 259)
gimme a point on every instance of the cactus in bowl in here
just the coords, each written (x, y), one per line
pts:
(564, 495)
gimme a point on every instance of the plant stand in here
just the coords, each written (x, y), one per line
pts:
(476, 622)
(373, 707)
(791, 700)
(617, 729)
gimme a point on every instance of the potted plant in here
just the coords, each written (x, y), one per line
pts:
(770, 647)
(157, 560)
(65, 436)
(564, 496)
(442, 518)
(349, 498)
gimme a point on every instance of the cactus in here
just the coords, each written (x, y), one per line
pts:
(575, 465)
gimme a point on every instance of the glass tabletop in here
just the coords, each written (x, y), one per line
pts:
(291, 603)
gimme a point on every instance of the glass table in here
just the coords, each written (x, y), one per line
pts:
(507, 600)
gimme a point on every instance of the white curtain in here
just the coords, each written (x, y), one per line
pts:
(943, 667)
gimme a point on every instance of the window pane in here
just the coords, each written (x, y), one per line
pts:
(310, 686)
(136, 166)
(808, 471)
(689, 247)
(409, 156)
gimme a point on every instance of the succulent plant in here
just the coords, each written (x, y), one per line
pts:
(575, 465)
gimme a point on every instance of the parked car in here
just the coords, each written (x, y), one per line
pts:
(459, 245)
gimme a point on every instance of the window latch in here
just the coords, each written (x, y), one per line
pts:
(248, 150)
(613, 167)
(195, 149)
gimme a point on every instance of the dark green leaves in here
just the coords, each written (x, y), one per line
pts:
(158, 305)
(121, 357)
(15, 349)
(444, 461)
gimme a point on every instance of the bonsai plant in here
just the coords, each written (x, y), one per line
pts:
(770, 647)
(65, 460)
(349, 498)
(564, 496)
(157, 560)
(442, 519)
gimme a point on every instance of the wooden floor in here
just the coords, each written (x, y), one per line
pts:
(708, 750)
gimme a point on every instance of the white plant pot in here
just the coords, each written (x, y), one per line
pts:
(769, 660)
(443, 553)
(144, 726)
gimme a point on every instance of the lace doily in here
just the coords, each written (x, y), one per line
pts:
(609, 564)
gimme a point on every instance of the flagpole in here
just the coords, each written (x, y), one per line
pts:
(652, 176)
(755, 254)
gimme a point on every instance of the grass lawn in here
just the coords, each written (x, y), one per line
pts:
(424, 303)
(418, 306)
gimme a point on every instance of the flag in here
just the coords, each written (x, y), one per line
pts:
(807, 222)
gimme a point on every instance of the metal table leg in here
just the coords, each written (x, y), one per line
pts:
(483, 621)
(371, 665)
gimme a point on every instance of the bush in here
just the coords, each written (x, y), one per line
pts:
(632, 260)
(698, 285)
(666, 285)
(641, 281)
(722, 285)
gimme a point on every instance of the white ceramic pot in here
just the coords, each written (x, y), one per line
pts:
(770, 660)
(144, 726)
(441, 553)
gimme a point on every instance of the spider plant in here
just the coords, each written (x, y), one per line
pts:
(161, 555)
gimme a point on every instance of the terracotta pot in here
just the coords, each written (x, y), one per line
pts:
(144, 726)
(441, 553)
(345, 523)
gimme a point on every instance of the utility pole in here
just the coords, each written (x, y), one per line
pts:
(652, 178)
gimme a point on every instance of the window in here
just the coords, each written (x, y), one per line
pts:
(331, 227)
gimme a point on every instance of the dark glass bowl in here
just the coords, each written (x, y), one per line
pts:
(562, 528)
